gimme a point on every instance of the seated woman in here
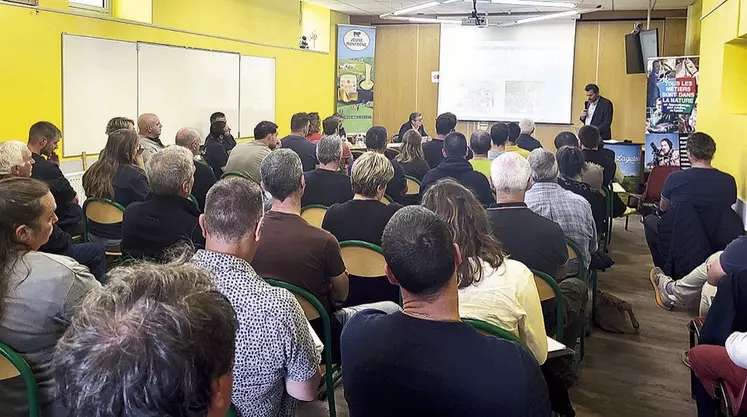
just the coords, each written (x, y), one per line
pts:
(411, 156)
(364, 218)
(315, 128)
(38, 291)
(571, 164)
(118, 175)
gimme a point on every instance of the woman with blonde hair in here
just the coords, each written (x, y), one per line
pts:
(411, 156)
(117, 123)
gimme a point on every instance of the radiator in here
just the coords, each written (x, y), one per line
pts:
(76, 180)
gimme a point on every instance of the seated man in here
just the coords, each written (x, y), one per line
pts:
(571, 211)
(592, 174)
(157, 340)
(535, 241)
(246, 157)
(297, 142)
(276, 362)
(215, 151)
(204, 175)
(293, 251)
(151, 227)
(702, 186)
(702, 281)
(332, 126)
(480, 143)
(455, 165)
(498, 138)
(376, 139)
(403, 364)
(727, 364)
(593, 153)
(433, 149)
(326, 185)
(526, 141)
(514, 131)
(16, 161)
(43, 140)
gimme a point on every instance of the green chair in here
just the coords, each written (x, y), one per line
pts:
(364, 260)
(548, 289)
(413, 186)
(591, 281)
(234, 174)
(101, 211)
(314, 214)
(313, 309)
(387, 200)
(493, 330)
(25, 371)
(193, 199)
(232, 412)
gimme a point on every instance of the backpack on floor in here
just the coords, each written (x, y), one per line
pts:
(615, 315)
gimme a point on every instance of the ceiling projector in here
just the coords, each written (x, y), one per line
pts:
(475, 21)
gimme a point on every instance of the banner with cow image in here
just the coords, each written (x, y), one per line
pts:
(355, 76)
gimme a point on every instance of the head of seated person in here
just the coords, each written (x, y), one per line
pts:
(544, 166)
(511, 176)
(171, 172)
(189, 138)
(165, 320)
(300, 124)
(480, 143)
(411, 148)
(526, 127)
(371, 173)
(219, 130)
(44, 138)
(566, 139)
(376, 139)
(499, 134)
(589, 137)
(282, 176)
(315, 123)
(331, 126)
(28, 212)
(329, 152)
(469, 227)
(117, 123)
(455, 146)
(15, 160)
(570, 162)
(445, 124)
(122, 150)
(700, 149)
(514, 131)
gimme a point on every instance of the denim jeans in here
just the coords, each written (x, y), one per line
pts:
(91, 255)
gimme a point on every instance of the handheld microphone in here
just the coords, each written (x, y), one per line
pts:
(586, 105)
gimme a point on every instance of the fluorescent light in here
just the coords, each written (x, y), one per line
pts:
(422, 20)
(415, 8)
(535, 3)
(546, 17)
(450, 1)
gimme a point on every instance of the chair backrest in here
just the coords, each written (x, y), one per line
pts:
(391, 153)
(386, 200)
(493, 330)
(363, 259)
(193, 199)
(234, 174)
(314, 214)
(655, 183)
(103, 211)
(310, 305)
(548, 289)
(413, 186)
(10, 360)
(575, 253)
(544, 289)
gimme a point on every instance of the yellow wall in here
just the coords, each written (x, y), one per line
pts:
(692, 41)
(722, 98)
(30, 78)
(406, 55)
(316, 19)
(135, 10)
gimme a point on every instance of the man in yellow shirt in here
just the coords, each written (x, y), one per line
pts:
(514, 131)
(480, 143)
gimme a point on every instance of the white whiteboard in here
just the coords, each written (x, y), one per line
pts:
(257, 92)
(183, 87)
(508, 73)
(99, 81)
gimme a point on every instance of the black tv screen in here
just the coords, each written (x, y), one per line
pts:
(633, 54)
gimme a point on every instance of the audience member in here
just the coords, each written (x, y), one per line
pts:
(157, 340)
(433, 149)
(332, 126)
(411, 156)
(228, 140)
(526, 141)
(293, 251)
(117, 175)
(215, 152)
(592, 174)
(149, 131)
(480, 143)
(168, 216)
(16, 162)
(204, 176)
(315, 127)
(340, 118)
(571, 166)
(297, 142)
(702, 281)
(572, 212)
(498, 137)
(415, 122)
(492, 287)
(116, 123)
(43, 140)
(726, 364)
(407, 358)
(590, 140)
(247, 157)
(514, 131)
(376, 139)
(38, 291)
(326, 185)
(276, 360)
(456, 166)
(702, 186)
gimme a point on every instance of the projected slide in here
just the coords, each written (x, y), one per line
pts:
(508, 73)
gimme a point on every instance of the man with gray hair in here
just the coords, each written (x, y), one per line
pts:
(296, 252)
(276, 361)
(149, 320)
(168, 217)
(204, 176)
(526, 141)
(15, 159)
(326, 185)
(571, 211)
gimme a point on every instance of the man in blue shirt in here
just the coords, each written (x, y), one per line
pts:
(424, 361)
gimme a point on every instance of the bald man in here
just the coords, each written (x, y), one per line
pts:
(204, 177)
(149, 129)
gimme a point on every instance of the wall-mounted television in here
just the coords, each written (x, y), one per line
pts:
(649, 44)
(639, 47)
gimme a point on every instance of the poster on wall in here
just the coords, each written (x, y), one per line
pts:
(355, 76)
(671, 109)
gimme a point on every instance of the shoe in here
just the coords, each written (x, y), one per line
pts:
(659, 281)
(685, 358)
